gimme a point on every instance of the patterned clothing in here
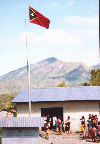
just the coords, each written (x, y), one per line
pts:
(93, 133)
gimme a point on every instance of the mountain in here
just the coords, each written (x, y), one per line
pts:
(96, 66)
(47, 73)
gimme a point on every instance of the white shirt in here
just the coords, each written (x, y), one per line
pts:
(54, 121)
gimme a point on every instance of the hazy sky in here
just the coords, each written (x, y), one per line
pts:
(73, 34)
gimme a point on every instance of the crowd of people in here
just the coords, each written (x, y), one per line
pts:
(92, 130)
(57, 125)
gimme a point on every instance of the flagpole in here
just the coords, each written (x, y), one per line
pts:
(43, 21)
(29, 73)
(29, 92)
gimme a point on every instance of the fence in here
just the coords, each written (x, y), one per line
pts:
(21, 122)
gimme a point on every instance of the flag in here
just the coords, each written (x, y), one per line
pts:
(37, 18)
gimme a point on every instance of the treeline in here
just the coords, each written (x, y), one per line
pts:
(94, 81)
(95, 78)
(5, 102)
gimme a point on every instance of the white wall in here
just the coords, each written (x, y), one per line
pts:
(73, 109)
(4, 113)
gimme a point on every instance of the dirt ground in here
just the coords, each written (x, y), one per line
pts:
(64, 139)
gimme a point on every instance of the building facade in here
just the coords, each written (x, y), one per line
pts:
(73, 102)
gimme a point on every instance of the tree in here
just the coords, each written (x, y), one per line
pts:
(95, 77)
(62, 84)
(85, 84)
(8, 106)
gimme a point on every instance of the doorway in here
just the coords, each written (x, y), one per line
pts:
(54, 111)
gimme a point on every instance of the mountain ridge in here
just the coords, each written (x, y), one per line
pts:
(47, 73)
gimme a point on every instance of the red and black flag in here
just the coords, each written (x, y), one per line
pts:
(37, 18)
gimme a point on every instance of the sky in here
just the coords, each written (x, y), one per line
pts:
(73, 34)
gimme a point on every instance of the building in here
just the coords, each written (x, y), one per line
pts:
(6, 114)
(21, 130)
(64, 101)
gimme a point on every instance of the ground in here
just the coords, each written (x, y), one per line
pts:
(73, 138)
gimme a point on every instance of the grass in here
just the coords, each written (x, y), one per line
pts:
(78, 132)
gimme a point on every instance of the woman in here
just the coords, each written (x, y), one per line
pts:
(67, 123)
(82, 124)
(59, 125)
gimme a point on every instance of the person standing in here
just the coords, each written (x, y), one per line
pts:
(54, 122)
(59, 125)
(96, 125)
(82, 124)
(89, 126)
(84, 132)
(67, 123)
(92, 120)
(93, 134)
(47, 128)
(44, 119)
(48, 120)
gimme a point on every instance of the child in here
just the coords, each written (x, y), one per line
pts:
(84, 132)
(56, 127)
(93, 137)
(46, 128)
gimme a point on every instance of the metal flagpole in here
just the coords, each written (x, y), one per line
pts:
(28, 71)
(43, 21)
(29, 91)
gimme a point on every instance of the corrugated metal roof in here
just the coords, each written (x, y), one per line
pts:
(59, 94)
(21, 122)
